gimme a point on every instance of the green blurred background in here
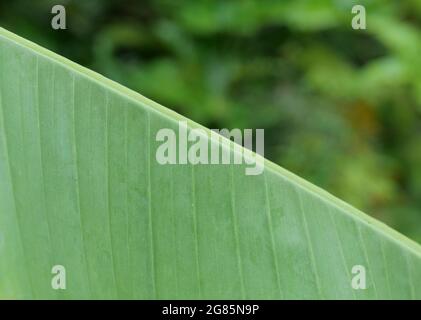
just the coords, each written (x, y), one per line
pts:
(340, 107)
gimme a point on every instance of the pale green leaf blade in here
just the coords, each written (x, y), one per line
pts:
(80, 187)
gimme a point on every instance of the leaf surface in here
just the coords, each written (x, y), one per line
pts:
(80, 187)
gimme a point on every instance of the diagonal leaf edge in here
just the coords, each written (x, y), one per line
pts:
(172, 116)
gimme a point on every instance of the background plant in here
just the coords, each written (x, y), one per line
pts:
(341, 108)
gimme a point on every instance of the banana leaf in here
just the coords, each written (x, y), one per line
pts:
(80, 188)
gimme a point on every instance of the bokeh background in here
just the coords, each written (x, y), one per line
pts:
(340, 107)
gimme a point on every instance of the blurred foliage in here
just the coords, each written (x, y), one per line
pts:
(340, 107)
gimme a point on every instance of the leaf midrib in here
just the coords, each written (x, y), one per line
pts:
(150, 105)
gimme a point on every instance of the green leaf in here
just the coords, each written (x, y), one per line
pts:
(80, 187)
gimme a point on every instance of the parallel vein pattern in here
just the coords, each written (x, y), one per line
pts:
(80, 187)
